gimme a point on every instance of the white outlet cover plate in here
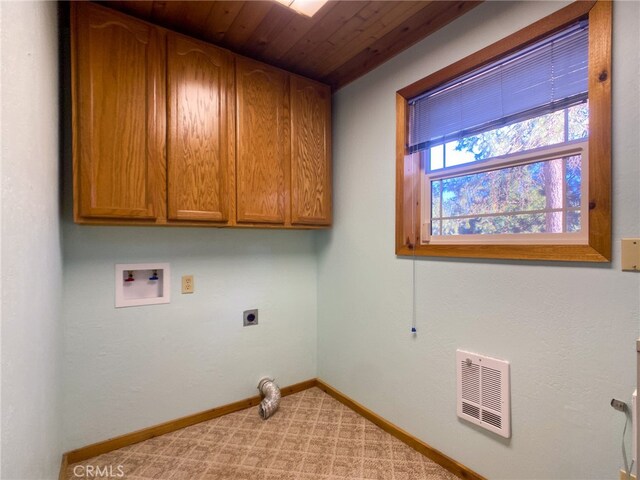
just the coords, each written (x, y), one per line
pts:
(147, 293)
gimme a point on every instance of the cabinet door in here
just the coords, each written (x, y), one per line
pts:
(310, 152)
(119, 116)
(199, 80)
(262, 142)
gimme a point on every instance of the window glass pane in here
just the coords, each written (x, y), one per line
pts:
(578, 121)
(503, 224)
(436, 188)
(457, 156)
(518, 137)
(493, 225)
(573, 221)
(436, 155)
(435, 227)
(513, 189)
(574, 180)
(553, 222)
(520, 199)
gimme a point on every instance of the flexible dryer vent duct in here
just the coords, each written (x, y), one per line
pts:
(271, 400)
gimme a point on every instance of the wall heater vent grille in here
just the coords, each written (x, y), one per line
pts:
(484, 392)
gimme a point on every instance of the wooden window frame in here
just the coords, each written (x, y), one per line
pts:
(408, 173)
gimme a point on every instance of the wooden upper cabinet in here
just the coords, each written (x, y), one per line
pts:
(118, 116)
(310, 152)
(263, 146)
(199, 119)
(170, 130)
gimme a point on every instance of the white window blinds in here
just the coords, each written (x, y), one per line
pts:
(546, 76)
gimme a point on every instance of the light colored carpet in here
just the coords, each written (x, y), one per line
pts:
(312, 436)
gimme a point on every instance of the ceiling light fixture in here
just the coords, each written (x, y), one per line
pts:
(305, 7)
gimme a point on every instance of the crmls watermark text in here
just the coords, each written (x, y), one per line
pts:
(93, 471)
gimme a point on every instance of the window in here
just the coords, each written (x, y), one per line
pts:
(506, 154)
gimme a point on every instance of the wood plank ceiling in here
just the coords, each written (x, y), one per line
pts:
(340, 43)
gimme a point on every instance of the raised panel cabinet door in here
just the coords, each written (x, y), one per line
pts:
(119, 115)
(262, 142)
(310, 152)
(199, 80)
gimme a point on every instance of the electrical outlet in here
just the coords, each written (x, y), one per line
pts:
(618, 405)
(187, 284)
(250, 317)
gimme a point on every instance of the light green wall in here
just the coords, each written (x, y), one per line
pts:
(130, 368)
(569, 331)
(31, 248)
